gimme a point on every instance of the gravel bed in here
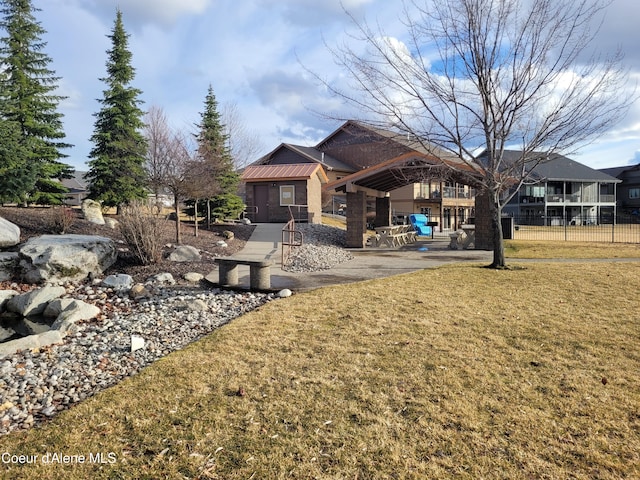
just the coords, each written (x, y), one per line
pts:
(322, 249)
(35, 385)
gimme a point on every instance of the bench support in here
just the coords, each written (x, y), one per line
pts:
(259, 272)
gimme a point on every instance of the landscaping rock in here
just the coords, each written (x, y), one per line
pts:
(57, 306)
(5, 296)
(193, 277)
(162, 279)
(139, 291)
(35, 301)
(119, 281)
(284, 293)
(185, 253)
(9, 234)
(9, 262)
(92, 211)
(69, 257)
(75, 312)
(111, 222)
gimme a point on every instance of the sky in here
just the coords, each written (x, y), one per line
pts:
(256, 55)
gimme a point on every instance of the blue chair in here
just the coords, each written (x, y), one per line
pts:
(419, 222)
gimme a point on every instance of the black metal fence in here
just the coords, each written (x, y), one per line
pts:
(603, 228)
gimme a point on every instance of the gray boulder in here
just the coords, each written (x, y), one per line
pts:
(193, 277)
(35, 301)
(5, 296)
(8, 265)
(69, 257)
(185, 253)
(92, 211)
(74, 312)
(119, 281)
(9, 234)
(57, 306)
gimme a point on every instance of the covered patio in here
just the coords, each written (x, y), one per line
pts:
(377, 181)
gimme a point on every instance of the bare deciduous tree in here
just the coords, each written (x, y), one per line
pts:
(493, 73)
(244, 144)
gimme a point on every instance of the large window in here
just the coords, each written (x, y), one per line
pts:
(287, 195)
(634, 193)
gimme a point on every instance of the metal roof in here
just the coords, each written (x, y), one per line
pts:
(293, 171)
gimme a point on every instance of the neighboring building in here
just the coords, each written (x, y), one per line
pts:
(628, 192)
(78, 188)
(275, 192)
(562, 191)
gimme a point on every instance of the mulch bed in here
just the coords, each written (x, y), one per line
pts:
(35, 221)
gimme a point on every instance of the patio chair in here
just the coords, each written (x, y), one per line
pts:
(419, 222)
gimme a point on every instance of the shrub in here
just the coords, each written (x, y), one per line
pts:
(62, 218)
(142, 232)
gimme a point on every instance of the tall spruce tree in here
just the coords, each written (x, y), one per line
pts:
(220, 178)
(31, 127)
(116, 169)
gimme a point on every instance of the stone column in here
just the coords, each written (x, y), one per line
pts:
(383, 212)
(484, 234)
(356, 219)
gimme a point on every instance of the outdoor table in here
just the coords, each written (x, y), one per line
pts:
(470, 236)
(394, 235)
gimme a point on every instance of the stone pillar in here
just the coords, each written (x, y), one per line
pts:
(484, 233)
(356, 219)
(383, 212)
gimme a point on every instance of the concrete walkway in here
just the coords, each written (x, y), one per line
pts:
(266, 244)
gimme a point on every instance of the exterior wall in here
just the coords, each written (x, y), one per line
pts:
(284, 156)
(627, 196)
(278, 213)
(314, 199)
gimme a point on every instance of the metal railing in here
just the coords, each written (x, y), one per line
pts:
(290, 238)
(584, 228)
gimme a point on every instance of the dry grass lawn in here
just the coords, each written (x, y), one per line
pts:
(456, 372)
(572, 250)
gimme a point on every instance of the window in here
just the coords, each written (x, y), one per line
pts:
(634, 193)
(287, 195)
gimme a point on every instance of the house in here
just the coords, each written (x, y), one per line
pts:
(562, 191)
(355, 147)
(628, 192)
(78, 188)
(275, 193)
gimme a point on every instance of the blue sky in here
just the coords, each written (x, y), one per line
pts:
(251, 52)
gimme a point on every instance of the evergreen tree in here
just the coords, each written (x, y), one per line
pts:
(116, 169)
(32, 130)
(220, 180)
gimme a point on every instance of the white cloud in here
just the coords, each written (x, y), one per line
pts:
(161, 12)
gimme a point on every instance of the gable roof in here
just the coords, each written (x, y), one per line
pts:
(307, 153)
(292, 171)
(557, 167)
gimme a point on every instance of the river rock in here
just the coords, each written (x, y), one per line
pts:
(193, 277)
(92, 211)
(35, 301)
(69, 257)
(162, 279)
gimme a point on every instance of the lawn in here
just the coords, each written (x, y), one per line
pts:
(455, 372)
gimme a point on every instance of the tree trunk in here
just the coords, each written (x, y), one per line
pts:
(496, 229)
(209, 213)
(177, 212)
(195, 214)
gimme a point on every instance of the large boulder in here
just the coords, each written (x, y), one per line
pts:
(35, 301)
(92, 211)
(69, 257)
(9, 234)
(8, 265)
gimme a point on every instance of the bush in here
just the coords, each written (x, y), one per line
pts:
(62, 218)
(142, 232)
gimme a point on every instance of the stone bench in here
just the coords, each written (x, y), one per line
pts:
(259, 272)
